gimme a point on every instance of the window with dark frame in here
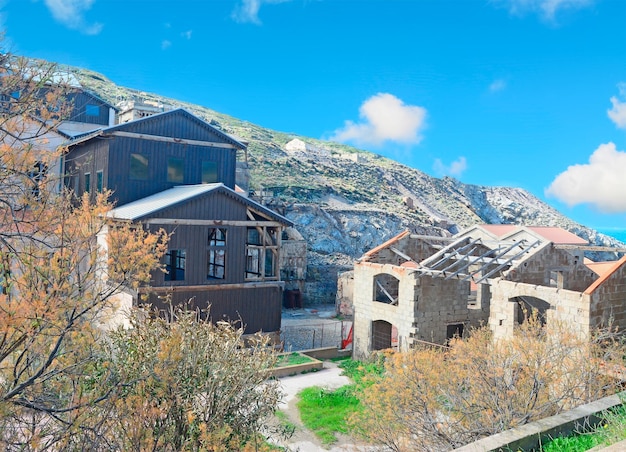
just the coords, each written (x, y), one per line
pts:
(99, 181)
(88, 182)
(139, 167)
(175, 170)
(209, 172)
(261, 253)
(175, 265)
(216, 253)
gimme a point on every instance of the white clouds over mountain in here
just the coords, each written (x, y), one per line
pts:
(71, 14)
(600, 183)
(455, 169)
(384, 118)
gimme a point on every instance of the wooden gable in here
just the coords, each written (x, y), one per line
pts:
(178, 124)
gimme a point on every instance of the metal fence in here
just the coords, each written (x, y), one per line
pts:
(304, 337)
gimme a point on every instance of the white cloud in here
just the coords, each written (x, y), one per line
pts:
(455, 169)
(545, 8)
(600, 182)
(186, 34)
(247, 11)
(384, 118)
(497, 85)
(165, 44)
(71, 14)
(617, 114)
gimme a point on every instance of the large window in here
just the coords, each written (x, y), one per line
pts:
(261, 253)
(175, 170)
(216, 253)
(175, 265)
(209, 172)
(139, 167)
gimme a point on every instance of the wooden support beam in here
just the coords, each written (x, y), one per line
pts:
(143, 136)
(392, 300)
(236, 223)
(209, 287)
(511, 259)
(401, 254)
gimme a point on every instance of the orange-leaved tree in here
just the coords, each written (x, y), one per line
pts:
(56, 280)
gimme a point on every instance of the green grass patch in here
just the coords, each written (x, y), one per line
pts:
(292, 359)
(363, 373)
(579, 443)
(610, 431)
(325, 412)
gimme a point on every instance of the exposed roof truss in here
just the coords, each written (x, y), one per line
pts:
(470, 259)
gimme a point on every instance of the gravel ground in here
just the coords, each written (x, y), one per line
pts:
(312, 327)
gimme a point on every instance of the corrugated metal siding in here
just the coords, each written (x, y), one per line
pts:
(126, 190)
(175, 124)
(212, 206)
(259, 309)
(81, 160)
(79, 102)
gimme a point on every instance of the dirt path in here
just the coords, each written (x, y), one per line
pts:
(303, 440)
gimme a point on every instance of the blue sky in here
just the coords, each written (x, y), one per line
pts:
(526, 93)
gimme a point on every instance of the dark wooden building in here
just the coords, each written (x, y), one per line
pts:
(143, 157)
(177, 172)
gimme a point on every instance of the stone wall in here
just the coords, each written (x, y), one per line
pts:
(445, 302)
(426, 307)
(537, 269)
(608, 301)
(345, 293)
(568, 306)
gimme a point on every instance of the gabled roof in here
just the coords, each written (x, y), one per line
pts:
(176, 112)
(143, 208)
(608, 272)
(556, 235)
(385, 245)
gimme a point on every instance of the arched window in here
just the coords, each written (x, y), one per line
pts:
(386, 289)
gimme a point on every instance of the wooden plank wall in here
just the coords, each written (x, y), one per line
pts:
(259, 309)
(127, 190)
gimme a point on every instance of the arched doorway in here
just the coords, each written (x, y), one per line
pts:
(382, 333)
(528, 306)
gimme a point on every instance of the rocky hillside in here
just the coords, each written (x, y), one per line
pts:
(345, 201)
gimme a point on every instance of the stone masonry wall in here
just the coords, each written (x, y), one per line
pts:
(608, 302)
(570, 307)
(441, 303)
(366, 310)
(536, 269)
(426, 306)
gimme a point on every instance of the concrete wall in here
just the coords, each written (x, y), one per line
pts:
(366, 310)
(608, 302)
(537, 268)
(444, 302)
(567, 306)
(426, 307)
(345, 293)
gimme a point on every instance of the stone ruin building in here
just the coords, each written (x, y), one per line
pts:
(429, 289)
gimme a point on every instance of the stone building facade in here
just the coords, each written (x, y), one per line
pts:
(429, 289)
